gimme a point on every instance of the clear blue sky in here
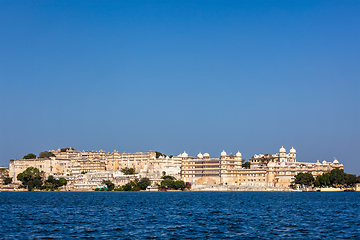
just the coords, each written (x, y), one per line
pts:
(181, 75)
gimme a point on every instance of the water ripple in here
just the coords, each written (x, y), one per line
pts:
(179, 215)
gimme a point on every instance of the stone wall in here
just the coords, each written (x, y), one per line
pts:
(239, 188)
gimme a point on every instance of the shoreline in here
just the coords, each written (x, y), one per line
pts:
(172, 191)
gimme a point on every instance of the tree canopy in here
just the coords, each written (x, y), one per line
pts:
(29, 156)
(158, 154)
(335, 178)
(30, 178)
(144, 183)
(7, 180)
(170, 182)
(128, 171)
(322, 180)
(168, 177)
(51, 183)
(135, 185)
(65, 149)
(246, 165)
(306, 179)
(110, 186)
(46, 154)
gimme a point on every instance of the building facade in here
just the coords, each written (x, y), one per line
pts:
(203, 169)
(271, 170)
(73, 162)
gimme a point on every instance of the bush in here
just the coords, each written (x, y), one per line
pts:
(7, 180)
(335, 178)
(306, 179)
(128, 171)
(30, 178)
(46, 154)
(168, 183)
(29, 156)
(110, 186)
(143, 183)
(53, 184)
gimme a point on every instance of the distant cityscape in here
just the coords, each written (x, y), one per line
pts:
(87, 170)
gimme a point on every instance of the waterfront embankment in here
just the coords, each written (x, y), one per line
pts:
(197, 187)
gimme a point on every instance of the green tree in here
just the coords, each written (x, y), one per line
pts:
(246, 165)
(51, 183)
(135, 185)
(63, 181)
(337, 177)
(46, 154)
(37, 183)
(350, 180)
(128, 171)
(306, 179)
(322, 180)
(168, 177)
(51, 179)
(110, 186)
(127, 187)
(30, 178)
(158, 154)
(167, 183)
(144, 183)
(7, 180)
(29, 156)
(179, 184)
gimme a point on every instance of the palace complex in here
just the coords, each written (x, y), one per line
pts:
(86, 170)
(272, 170)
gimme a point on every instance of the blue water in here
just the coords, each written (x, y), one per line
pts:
(179, 215)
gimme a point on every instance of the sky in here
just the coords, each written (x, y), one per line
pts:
(174, 76)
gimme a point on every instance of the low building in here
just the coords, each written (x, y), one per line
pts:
(155, 168)
(357, 187)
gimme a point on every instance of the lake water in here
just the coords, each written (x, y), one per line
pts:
(179, 215)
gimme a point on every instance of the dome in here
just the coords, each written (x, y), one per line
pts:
(335, 161)
(292, 150)
(206, 155)
(184, 154)
(324, 162)
(200, 155)
(282, 149)
(318, 163)
(238, 154)
(223, 153)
